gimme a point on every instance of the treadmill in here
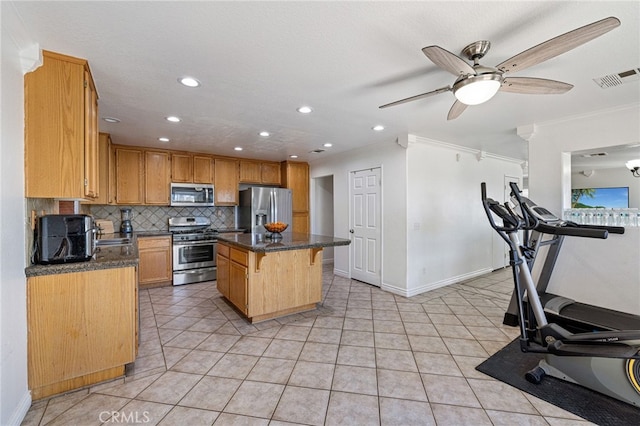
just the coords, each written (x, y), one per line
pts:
(551, 231)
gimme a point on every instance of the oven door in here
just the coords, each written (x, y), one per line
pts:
(194, 255)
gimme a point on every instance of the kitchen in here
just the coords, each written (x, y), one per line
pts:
(395, 275)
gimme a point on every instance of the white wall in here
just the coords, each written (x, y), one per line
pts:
(449, 237)
(14, 395)
(434, 230)
(392, 159)
(322, 219)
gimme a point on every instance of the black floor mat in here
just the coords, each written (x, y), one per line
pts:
(510, 364)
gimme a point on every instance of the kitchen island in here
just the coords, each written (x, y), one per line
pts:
(266, 278)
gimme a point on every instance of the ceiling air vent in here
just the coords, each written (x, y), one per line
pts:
(618, 79)
(595, 154)
(317, 151)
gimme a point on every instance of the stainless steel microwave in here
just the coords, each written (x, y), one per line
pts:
(192, 195)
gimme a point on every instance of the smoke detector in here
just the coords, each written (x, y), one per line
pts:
(618, 79)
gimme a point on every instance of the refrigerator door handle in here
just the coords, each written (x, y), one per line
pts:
(274, 206)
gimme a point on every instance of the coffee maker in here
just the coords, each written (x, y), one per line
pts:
(125, 223)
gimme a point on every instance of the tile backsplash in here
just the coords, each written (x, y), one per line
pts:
(155, 218)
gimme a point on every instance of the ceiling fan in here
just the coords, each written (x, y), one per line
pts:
(477, 84)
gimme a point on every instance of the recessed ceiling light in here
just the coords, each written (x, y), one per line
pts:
(173, 119)
(328, 145)
(293, 156)
(111, 119)
(305, 109)
(264, 134)
(189, 81)
(238, 148)
(378, 128)
(164, 139)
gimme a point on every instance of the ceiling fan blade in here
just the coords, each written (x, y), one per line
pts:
(558, 45)
(416, 97)
(448, 61)
(456, 109)
(534, 86)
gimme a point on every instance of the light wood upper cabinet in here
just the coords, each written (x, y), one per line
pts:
(61, 131)
(226, 182)
(181, 167)
(129, 176)
(267, 173)
(270, 173)
(156, 177)
(105, 164)
(203, 169)
(295, 176)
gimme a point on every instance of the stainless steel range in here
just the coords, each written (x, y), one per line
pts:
(194, 249)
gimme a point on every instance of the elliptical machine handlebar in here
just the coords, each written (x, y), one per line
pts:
(511, 221)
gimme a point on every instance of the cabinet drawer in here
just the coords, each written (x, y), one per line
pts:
(223, 250)
(154, 242)
(241, 257)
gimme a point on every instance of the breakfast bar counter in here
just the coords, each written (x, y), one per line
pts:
(267, 277)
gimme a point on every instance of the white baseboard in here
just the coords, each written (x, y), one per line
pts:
(434, 285)
(21, 410)
(341, 273)
(324, 261)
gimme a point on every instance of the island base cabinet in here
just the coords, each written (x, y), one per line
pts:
(81, 328)
(272, 284)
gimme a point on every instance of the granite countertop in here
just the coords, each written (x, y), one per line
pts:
(260, 243)
(106, 257)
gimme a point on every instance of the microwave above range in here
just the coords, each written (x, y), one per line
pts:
(192, 195)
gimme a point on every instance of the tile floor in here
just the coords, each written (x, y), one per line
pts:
(364, 357)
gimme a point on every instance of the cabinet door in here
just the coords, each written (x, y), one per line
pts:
(129, 171)
(104, 170)
(91, 164)
(270, 173)
(238, 286)
(300, 222)
(181, 168)
(226, 178)
(250, 172)
(298, 182)
(222, 281)
(155, 264)
(80, 323)
(156, 178)
(202, 169)
(54, 128)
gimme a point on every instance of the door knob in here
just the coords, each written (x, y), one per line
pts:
(351, 231)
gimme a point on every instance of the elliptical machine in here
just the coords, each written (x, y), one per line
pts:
(605, 361)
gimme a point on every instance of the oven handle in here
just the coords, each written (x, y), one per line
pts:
(195, 243)
(196, 271)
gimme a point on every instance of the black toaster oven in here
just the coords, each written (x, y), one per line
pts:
(62, 238)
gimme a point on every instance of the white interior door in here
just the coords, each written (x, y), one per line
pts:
(365, 225)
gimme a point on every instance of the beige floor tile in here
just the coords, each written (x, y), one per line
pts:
(401, 384)
(352, 409)
(94, 410)
(211, 393)
(455, 331)
(360, 356)
(495, 395)
(468, 364)
(392, 359)
(228, 419)
(218, 342)
(449, 390)
(250, 346)
(173, 355)
(285, 349)
(169, 388)
(464, 347)
(290, 332)
(319, 352)
(386, 326)
(359, 313)
(357, 338)
(141, 412)
(448, 319)
(128, 389)
(358, 324)
(255, 399)
(451, 415)
(420, 329)
(197, 362)
(489, 333)
(392, 341)
(427, 344)
(312, 375)
(329, 322)
(401, 412)
(272, 370)
(233, 366)
(180, 416)
(347, 378)
(324, 335)
(302, 405)
(207, 325)
(441, 364)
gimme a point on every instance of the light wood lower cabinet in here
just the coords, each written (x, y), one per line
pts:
(82, 328)
(155, 261)
(272, 284)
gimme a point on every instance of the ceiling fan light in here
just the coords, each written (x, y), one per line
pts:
(477, 89)
(633, 164)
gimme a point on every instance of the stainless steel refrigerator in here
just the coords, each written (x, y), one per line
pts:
(260, 205)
